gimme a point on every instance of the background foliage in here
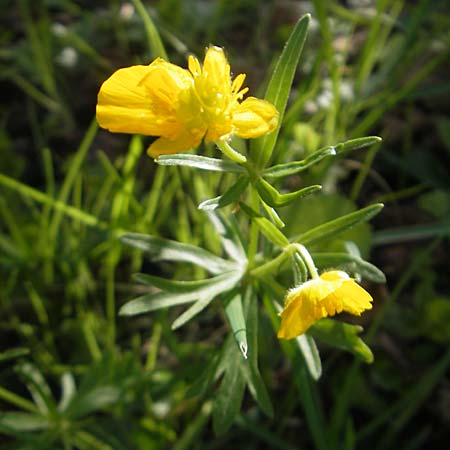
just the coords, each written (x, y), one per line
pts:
(72, 373)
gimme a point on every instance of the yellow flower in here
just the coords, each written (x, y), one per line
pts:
(320, 297)
(183, 106)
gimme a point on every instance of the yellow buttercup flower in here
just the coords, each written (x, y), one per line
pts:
(182, 106)
(327, 295)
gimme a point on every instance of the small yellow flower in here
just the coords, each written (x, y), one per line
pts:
(328, 295)
(182, 106)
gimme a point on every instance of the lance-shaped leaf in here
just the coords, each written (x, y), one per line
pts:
(165, 249)
(273, 215)
(253, 378)
(279, 88)
(227, 198)
(290, 168)
(267, 228)
(354, 144)
(273, 198)
(343, 336)
(13, 353)
(228, 399)
(174, 286)
(15, 422)
(200, 162)
(235, 315)
(191, 312)
(211, 288)
(311, 355)
(230, 236)
(337, 226)
(38, 387)
(351, 263)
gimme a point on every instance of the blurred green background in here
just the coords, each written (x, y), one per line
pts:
(72, 374)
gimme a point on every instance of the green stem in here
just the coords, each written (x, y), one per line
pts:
(254, 230)
(229, 151)
(308, 260)
(272, 265)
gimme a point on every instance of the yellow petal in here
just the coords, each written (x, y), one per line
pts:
(123, 105)
(296, 319)
(237, 84)
(165, 146)
(142, 99)
(219, 130)
(164, 82)
(194, 66)
(254, 117)
(355, 299)
(303, 307)
(335, 275)
(216, 69)
(348, 295)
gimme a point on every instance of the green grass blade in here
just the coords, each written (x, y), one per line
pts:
(154, 39)
(411, 233)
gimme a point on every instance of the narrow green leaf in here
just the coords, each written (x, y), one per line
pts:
(398, 414)
(235, 315)
(152, 302)
(200, 162)
(343, 336)
(273, 215)
(195, 309)
(13, 353)
(38, 387)
(273, 198)
(227, 198)
(230, 235)
(337, 226)
(167, 250)
(154, 40)
(279, 88)
(267, 228)
(306, 389)
(311, 355)
(174, 286)
(350, 263)
(209, 375)
(68, 390)
(252, 375)
(283, 170)
(412, 233)
(191, 434)
(354, 144)
(23, 422)
(271, 232)
(228, 400)
(95, 399)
